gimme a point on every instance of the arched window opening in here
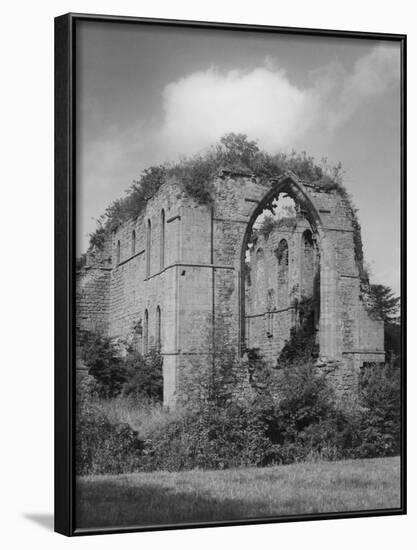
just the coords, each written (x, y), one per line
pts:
(310, 281)
(133, 242)
(158, 328)
(258, 292)
(282, 274)
(148, 248)
(272, 254)
(270, 300)
(270, 306)
(307, 264)
(145, 332)
(162, 243)
(282, 254)
(118, 253)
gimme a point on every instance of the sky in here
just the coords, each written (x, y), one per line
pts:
(149, 94)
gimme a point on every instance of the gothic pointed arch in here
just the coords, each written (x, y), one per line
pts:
(291, 186)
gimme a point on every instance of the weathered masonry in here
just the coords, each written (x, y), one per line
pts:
(174, 275)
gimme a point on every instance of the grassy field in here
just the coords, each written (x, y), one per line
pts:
(170, 497)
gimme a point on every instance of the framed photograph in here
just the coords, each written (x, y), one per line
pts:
(230, 274)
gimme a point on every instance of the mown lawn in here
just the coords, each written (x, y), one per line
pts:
(171, 497)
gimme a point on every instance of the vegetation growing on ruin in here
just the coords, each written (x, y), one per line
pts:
(270, 224)
(301, 345)
(237, 412)
(304, 423)
(116, 369)
(81, 261)
(195, 174)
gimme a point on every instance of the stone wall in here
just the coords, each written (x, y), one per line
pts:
(187, 261)
(284, 271)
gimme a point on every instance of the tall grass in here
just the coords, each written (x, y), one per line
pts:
(143, 416)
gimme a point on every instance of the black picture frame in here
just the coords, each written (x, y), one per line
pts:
(65, 151)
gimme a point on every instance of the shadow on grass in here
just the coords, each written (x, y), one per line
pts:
(107, 503)
(184, 497)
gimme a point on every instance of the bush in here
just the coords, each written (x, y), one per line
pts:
(212, 437)
(101, 446)
(302, 422)
(104, 362)
(380, 423)
(195, 175)
(145, 375)
(288, 416)
(270, 224)
(116, 373)
(301, 347)
(285, 414)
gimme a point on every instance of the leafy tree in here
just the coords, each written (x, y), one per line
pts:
(384, 303)
(237, 148)
(97, 238)
(380, 425)
(102, 357)
(130, 374)
(305, 398)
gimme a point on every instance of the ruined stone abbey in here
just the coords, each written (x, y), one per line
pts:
(172, 276)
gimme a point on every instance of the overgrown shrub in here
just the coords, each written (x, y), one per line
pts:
(302, 423)
(144, 375)
(211, 437)
(98, 237)
(270, 223)
(288, 416)
(104, 362)
(121, 369)
(301, 347)
(81, 261)
(380, 423)
(195, 175)
(219, 428)
(101, 446)
(288, 413)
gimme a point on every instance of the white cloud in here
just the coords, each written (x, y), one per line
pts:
(265, 104)
(373, 75)
(203, 106)
(199, 108)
